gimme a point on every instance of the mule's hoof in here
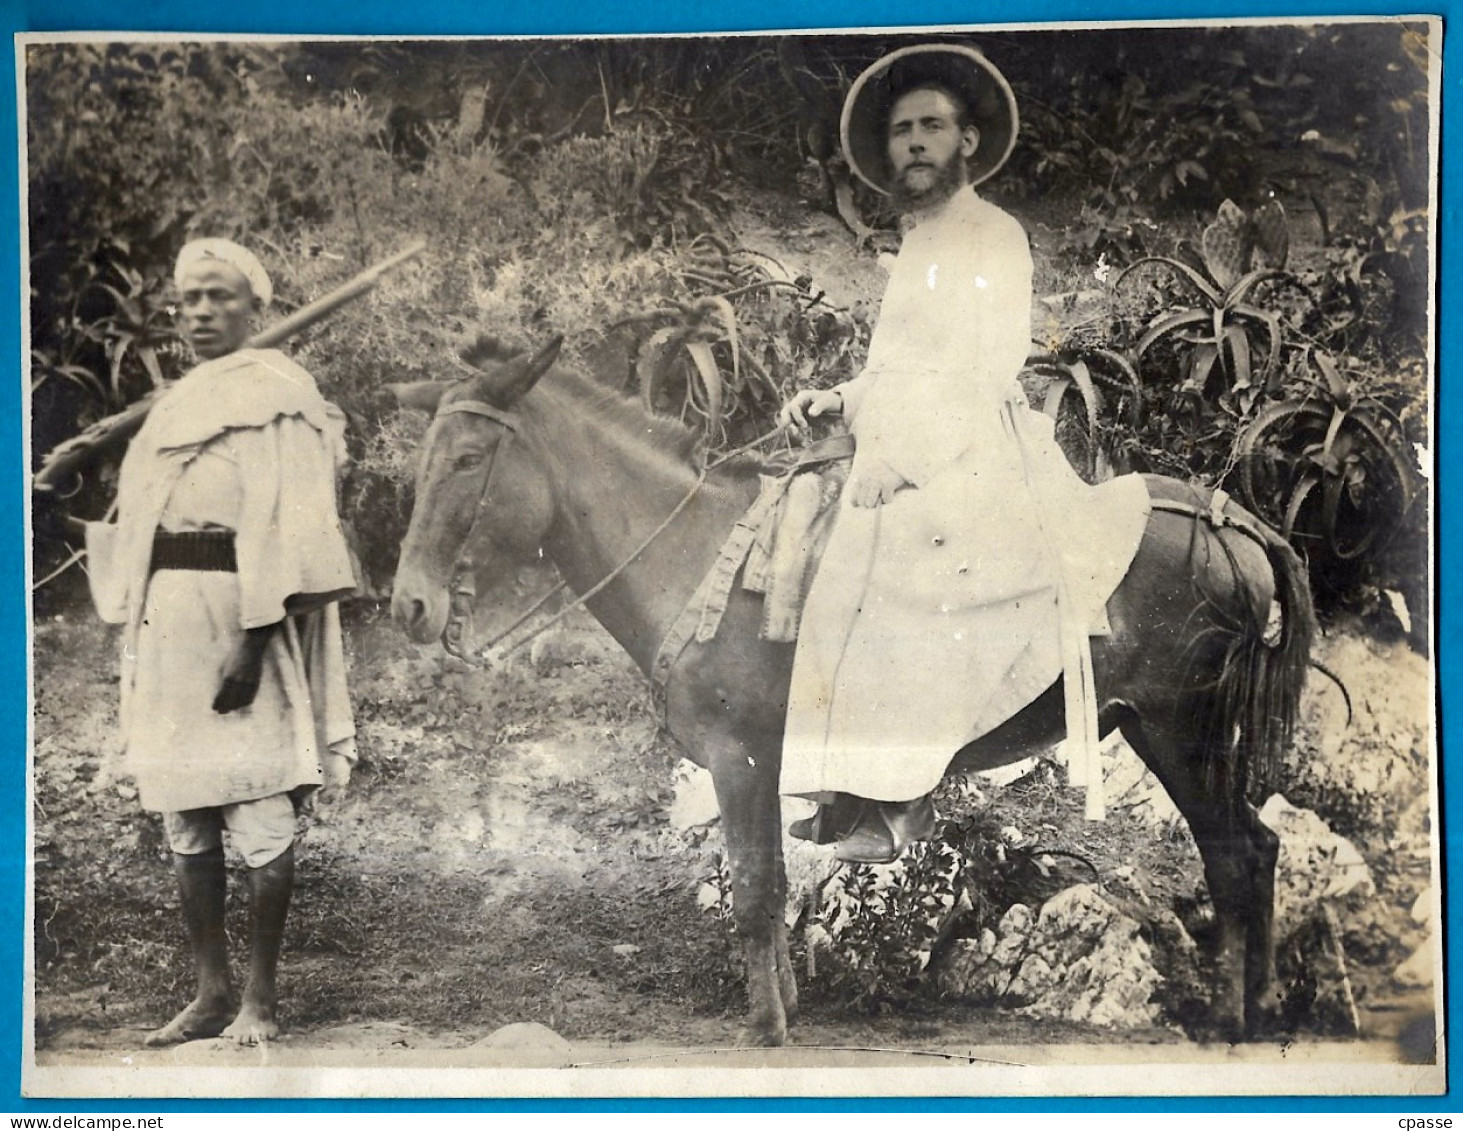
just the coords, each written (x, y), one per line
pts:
(753, 1037)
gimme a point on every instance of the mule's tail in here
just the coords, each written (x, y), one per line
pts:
(1264, 669)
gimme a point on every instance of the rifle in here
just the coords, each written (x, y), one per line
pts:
(69, 456)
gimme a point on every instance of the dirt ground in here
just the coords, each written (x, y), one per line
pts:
(506, 856)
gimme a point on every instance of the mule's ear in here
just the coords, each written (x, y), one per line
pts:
(421, 395)
(522, 374)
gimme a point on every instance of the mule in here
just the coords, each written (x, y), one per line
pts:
(527, 457)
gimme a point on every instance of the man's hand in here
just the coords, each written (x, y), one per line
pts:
(336, 774)
(876, 486)
(806, 403)
(336, 770)
(243, 671)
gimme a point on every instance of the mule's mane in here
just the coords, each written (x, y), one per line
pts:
(662, 436)
(489, 349)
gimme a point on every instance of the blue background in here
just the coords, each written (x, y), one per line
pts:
(509, 17)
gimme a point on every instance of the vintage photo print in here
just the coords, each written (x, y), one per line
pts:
(869, 563)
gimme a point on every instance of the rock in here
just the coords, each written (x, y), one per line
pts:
(1080, 959)
(1184, 994)
(1101, 970)
(694, 802)
(524, 1035)
(982, 968)
(1320, 878)
(1416, 972)
(1128, 784)
(1315, 866)
(709, 897)
(1378, 764)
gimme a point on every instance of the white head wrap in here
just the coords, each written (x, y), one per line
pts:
(241, 259)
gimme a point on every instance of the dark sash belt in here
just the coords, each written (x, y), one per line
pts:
(194, 549)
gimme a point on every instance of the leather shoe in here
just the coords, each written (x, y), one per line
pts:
(832, 820)
(807, 827)
(886, 829)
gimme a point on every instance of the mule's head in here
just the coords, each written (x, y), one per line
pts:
(476, 481)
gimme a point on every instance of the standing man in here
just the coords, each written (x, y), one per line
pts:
(968, 562)
(227, 561)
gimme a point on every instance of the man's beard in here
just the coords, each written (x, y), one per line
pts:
(948, 178)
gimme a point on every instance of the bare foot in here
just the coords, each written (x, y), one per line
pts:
(255, 1025)
(198, 1021)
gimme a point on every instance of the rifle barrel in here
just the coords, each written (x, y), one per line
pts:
(69, 456)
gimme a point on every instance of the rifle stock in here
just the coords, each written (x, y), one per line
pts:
(69, 456)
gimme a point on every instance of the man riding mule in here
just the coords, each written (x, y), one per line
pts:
(966, 548)
(527, 458)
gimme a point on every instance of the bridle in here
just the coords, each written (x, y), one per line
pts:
(463, 585)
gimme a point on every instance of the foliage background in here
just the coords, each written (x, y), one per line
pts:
(585, 187)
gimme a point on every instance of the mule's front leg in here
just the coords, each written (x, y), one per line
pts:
(751, 820)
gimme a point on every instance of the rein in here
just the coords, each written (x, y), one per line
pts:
(464, 587)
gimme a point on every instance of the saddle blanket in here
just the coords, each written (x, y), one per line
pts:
(775, 547)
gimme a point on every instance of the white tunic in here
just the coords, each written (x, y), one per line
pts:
(242, 443)
(934, 618)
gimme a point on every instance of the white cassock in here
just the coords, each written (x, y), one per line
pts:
(935, 617)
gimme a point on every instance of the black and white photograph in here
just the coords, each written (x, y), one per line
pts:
(871, 563)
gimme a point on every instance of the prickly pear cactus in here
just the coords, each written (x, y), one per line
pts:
(1235, 242)
(1272, 237)
(1227, 244)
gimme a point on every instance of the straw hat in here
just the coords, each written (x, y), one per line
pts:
(963, 70)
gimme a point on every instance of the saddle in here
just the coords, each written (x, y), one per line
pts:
(774, 546)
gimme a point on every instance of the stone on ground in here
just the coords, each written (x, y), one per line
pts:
(1080, 959)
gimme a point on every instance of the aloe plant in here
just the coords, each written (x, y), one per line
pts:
(1074, 379)
(1330, 467)
(1224, 335)
(725, 361)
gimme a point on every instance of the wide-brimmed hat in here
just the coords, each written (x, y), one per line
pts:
(964, 70)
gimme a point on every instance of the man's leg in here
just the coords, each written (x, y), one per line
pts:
(263, 831)
(270, 888)
(202, 885)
